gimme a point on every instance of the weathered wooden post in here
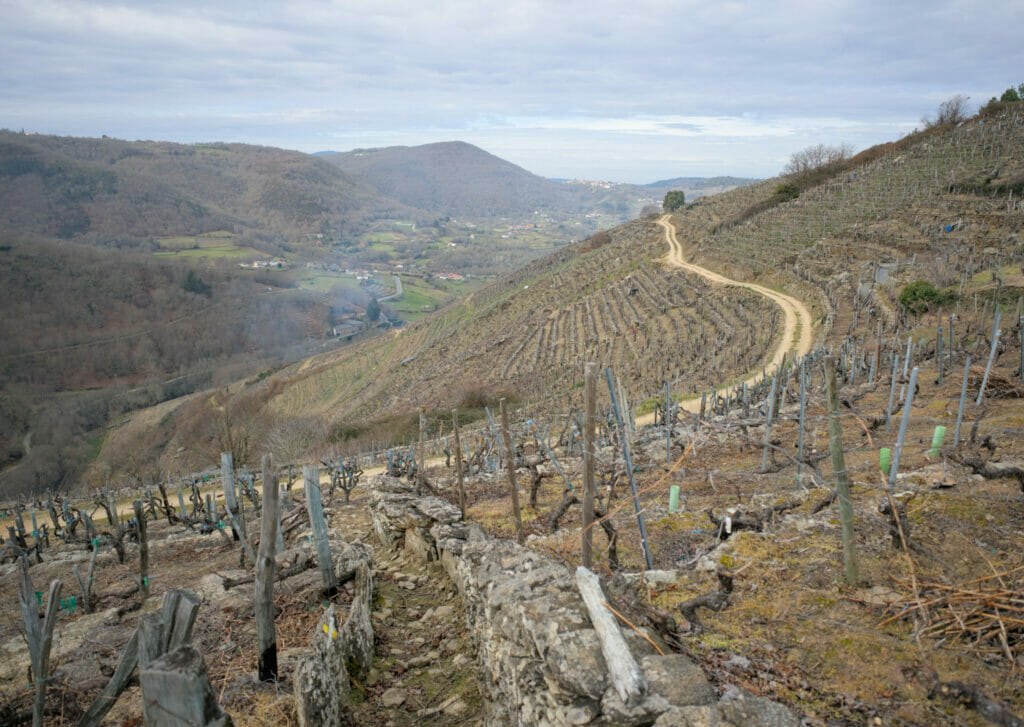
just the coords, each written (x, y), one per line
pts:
(140, 528)
(768, 423)
(589, 408)
(510, 464)
(458, 464)
(839, 473)
(422, 453)
(800, 427)
(315, 508)
(264, 606)
(623, 671)
(963, 401)
(115, 521)
(667, 416)
(227, 478)
(39, 639)
(892, 393)
(176, 691)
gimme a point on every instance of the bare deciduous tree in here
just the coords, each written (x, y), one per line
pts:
(951, 111)
(816, 157)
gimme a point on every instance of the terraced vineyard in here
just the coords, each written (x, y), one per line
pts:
(617, 304)
(917, 185)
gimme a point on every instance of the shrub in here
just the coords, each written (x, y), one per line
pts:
(787, 191)
(1010, 95)
(920, 296)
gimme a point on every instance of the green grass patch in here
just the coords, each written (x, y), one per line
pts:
(213, 251)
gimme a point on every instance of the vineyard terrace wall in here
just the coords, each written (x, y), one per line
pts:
(538, 655)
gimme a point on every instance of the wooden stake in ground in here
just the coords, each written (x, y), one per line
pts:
(623, 671)
(458, 464)
(839, 473)
(140, 529)
(422, 464)
(227, 476)
(264, 597)
(510, 462)
(315, 508)
(589, 407)
(39, 639)
(176, 691)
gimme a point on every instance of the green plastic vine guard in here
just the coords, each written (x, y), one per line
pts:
(937, 438)
(885, 459)
(39, 598)
(673, 498)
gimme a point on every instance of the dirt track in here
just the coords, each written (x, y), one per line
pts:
(797, 335)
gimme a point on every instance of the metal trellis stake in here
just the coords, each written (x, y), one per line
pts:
(629, 468)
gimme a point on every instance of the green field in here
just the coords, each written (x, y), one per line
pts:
(212, 251)
(322, 281)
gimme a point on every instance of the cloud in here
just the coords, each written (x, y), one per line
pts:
(743, 79)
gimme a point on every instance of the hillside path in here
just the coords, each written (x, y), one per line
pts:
(798, 331)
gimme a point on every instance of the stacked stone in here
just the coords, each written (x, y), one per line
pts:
(538, 654)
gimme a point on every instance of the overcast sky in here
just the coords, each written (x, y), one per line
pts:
(626, 90)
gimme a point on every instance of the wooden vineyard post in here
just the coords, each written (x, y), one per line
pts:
(839, 473)
(668, 425)
(629, 469)
(421, 466)
(140, 528)
(510, 464)
(768, 423)
(589, 408)
(39, 639)
(264, 606)
(176, 691)
(800, 427)
(227, 477)
(315, 508)
(458, 463)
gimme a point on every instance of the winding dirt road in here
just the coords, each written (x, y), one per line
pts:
(797, 335)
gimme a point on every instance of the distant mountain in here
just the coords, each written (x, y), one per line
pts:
(696, 187)
(103, 189)
(456, 179)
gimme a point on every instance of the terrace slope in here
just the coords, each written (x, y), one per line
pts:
(914, 205)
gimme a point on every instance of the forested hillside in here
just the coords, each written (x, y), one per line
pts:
(89, 334)
(122, 194)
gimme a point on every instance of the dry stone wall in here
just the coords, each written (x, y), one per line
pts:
(538, 654)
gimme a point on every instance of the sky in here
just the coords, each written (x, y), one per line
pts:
(622, 90)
